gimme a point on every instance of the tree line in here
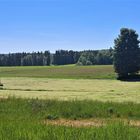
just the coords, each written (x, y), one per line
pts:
(60, 57)
(99, 57)
(25, 59)
(63, 57)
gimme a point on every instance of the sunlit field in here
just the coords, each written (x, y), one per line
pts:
(67, 89)
(24, 119)
(65, 72)
(68, 102)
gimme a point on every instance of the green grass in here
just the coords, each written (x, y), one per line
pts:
(70, 89)
(65, 72)
(22, 119)
(25, 109)
(34, 131)
(66, 91)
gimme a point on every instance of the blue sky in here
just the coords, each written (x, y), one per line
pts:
(38, 25)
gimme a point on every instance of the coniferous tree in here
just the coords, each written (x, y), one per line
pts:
(126, 53)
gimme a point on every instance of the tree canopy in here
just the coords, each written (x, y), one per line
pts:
(98, 57)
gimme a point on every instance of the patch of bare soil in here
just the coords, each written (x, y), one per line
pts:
(76, 123)
(90, 122)
(133, 123)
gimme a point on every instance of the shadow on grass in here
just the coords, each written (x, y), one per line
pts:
(130, 78)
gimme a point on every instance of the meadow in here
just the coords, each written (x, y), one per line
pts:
(65, 72)
(71, 89)
(27, 119)
(68, 103)
(34, 131)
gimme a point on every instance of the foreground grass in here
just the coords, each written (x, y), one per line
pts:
(65, 72)
(70, 89)
(22, 119)
(34, 131)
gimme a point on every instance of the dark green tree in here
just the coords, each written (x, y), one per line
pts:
(126, 53)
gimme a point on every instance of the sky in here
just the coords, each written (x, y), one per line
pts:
(39, 25)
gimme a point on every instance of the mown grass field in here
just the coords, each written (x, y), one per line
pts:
(68, 103)
(71, 89)
(66, 72)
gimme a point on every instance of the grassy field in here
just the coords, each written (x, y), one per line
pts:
(69, 89)
(66, 72)
(27, 109)
(68, 103)
(34, 131)
(22, 119)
